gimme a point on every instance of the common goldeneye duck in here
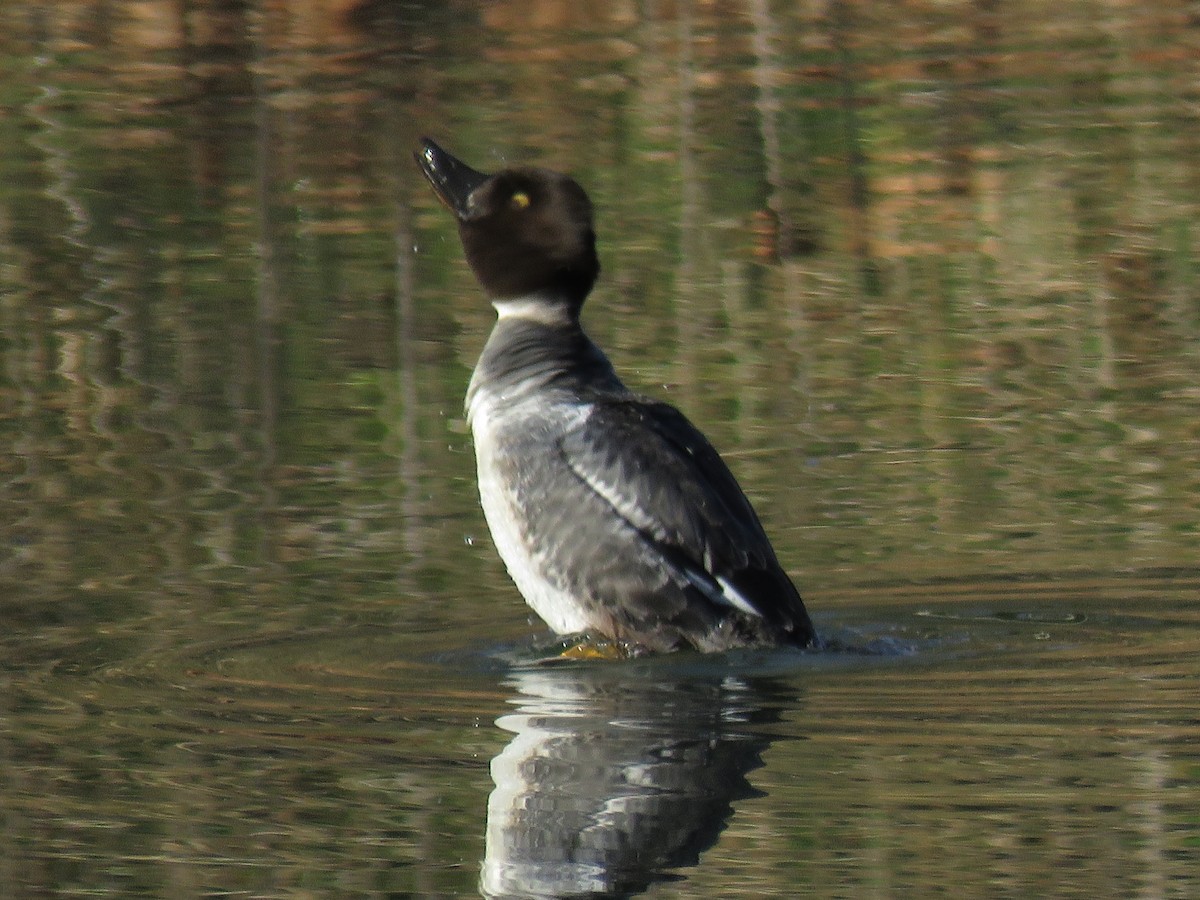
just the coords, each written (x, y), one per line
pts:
(613, 514)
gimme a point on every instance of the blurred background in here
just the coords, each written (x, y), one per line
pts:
(927, 273)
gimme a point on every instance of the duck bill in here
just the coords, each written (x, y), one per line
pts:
(452, 179)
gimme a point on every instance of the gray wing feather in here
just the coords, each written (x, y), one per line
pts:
(675, 490)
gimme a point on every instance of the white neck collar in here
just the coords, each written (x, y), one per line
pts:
(534, 308)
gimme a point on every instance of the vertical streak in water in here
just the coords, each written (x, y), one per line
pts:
(765, 78)
(1152, 772)
(408, 460)
(685, 307)
(267, 313)
(856, 163)
(73, 348)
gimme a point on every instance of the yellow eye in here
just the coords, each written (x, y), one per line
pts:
(520, 200)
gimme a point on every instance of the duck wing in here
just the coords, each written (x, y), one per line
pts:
(662, 476)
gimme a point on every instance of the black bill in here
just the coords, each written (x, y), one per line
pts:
(452, 179)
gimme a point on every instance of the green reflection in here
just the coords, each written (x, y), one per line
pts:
(926, 273)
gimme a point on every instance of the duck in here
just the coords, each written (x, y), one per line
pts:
(615, 517)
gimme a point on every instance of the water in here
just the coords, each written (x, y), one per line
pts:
(927, 275)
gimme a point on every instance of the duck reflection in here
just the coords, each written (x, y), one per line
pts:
(613, 778)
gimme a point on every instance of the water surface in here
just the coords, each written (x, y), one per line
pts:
(926, 274)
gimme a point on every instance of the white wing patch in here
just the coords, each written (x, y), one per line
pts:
(734, 597)
(721, 592)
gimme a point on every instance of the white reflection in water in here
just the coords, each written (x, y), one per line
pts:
(610, 780)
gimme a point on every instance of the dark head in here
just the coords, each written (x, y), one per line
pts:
(525, 231)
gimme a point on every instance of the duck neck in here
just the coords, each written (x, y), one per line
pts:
(538, 344)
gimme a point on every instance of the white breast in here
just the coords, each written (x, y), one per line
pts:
(524, 562)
